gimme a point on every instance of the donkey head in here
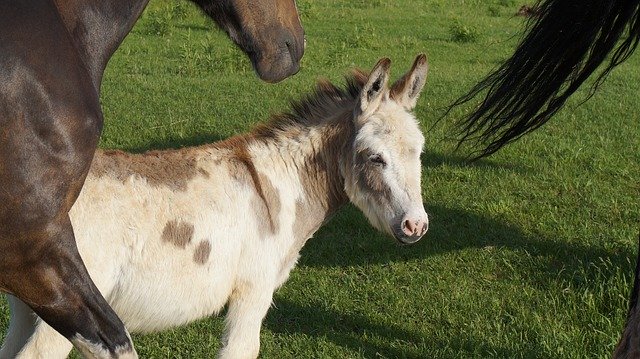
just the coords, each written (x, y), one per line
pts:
(382, 177)
(268, 31)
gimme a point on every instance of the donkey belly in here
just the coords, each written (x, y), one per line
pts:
(167, 294)
(157, 285)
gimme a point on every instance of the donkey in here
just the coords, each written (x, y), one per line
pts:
(167, 221)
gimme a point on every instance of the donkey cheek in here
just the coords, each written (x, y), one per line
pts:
(372, 181)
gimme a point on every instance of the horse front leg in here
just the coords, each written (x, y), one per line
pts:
(47, 273)
(248, 306)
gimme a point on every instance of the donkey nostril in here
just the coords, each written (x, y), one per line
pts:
(408, 227)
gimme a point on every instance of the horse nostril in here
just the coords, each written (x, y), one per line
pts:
(293, 44)
(291, 49)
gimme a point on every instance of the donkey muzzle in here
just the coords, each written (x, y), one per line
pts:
(411, 228)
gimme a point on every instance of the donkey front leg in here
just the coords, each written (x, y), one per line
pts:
(30, 337)
(248, 306)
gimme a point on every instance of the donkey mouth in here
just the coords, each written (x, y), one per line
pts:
(404, 238)
(407, 237)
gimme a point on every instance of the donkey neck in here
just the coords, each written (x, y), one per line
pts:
(316, 152)
(97, 28)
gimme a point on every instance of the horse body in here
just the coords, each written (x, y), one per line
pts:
(171, 236)
(50, 122)
(52, 57)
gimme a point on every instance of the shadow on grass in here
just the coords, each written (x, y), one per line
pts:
(362, 335)
(348, 240)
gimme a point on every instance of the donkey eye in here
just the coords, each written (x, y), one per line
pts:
(377, 159)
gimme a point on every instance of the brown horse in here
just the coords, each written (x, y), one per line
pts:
(52, 57)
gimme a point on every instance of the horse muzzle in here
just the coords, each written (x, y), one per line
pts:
(278, 63)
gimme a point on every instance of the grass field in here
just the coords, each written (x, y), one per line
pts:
(530, 253)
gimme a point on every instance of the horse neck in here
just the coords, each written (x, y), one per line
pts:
(97, 28)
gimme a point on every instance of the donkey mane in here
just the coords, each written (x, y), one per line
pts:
(315, 108)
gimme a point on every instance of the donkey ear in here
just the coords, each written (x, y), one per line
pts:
(374, 91)
(407, 89)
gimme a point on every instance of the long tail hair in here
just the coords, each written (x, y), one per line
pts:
(564, 44)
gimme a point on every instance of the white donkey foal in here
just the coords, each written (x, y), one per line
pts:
(171, 236)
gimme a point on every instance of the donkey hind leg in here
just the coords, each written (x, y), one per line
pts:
(247, 309)
(30, 337)
(58, 288)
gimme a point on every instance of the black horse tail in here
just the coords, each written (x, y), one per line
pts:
(564, 44)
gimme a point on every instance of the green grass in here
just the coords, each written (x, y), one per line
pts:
(529, 254)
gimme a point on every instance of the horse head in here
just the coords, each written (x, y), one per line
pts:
(268, 31)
